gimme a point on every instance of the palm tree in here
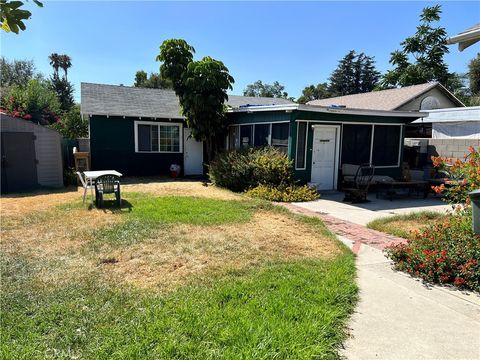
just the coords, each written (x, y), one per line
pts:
(55, 62)
(65, 63)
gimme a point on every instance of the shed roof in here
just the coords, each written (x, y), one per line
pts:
(115, 100)
(390, 99)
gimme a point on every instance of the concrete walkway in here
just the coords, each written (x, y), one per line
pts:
(398, 317)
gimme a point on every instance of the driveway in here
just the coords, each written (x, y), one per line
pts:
(398, 317)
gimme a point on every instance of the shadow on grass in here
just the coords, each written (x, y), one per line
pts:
(110, 206)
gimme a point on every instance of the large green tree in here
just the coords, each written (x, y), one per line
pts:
(355, 73)
(17, 72)
(13, 15)
(314, 92)
(474, 75)
(72, 125)
(202, 90)
(258, 88)
(59, 83)
(152, 81)
(421, 58)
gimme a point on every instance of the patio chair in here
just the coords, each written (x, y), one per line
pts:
(85, 185)
(363, 178)
(107, 184)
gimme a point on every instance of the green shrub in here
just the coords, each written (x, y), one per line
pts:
(290, 193)
(447, 252)
(239, 170)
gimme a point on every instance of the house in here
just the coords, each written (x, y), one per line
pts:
(31, 155)
(141, 132)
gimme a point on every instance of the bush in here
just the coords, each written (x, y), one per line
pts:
(446, 253)
(290, 193)
(239, 170)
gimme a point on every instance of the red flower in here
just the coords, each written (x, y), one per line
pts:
(28, 117)
(458, 281)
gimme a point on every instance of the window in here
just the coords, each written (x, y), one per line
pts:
(356, 143)
(386, 141)
(157, 137)
(233, 137)
(301, 144)
(280, 136)
(262, 133)
(246, 138)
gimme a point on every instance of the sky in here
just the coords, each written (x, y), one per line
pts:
(295, 43)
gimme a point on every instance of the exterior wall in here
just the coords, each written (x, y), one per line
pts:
(314, 118)
(112, 145)
(452, 148)
(414, 104)
(48, 149)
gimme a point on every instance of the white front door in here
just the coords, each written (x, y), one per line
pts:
(324, 157)
(192, 154)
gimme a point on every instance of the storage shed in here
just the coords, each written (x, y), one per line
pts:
(31, 155)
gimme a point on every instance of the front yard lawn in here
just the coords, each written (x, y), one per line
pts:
(181, 271)
(405, 225)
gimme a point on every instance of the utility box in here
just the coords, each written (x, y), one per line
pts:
(475, 200)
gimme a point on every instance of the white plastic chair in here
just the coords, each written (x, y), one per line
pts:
(85, 185)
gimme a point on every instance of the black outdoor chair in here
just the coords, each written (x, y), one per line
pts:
(363, 178)
(107, 184)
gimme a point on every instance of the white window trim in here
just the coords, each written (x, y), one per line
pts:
(253, 132)
(180, 134)
(296, 147)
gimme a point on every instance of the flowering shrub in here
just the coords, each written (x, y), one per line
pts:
(290, 193)
(446, 253)
(464, 174)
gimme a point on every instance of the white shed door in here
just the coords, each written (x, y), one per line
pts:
(192, 154)
(323, 157)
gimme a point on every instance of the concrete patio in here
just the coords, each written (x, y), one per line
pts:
(331, 204)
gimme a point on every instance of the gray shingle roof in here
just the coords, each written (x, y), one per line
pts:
(114, 100)
(390, 99)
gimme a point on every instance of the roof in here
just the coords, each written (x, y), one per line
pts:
(466, 38)
(463, 114)
(390, 99)
(329, 109)
(115, 100)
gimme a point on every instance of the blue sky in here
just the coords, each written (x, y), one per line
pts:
(295, 43)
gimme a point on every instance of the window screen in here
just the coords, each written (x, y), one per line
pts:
(356, 142)
(386, 140)
(246, 135)
(233, 137)
(169, 138)
(301, 143)
(262, 132)
(144, 137)
(280, 136)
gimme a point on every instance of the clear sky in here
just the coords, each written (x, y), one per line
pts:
(296, 44)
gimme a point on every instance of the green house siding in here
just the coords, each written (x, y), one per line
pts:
(112, 146)
(317, 118)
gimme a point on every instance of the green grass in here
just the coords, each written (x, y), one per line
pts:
(294, 310)
(401, 225)
(279, 309)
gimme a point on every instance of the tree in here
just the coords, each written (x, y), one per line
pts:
(17, 72)
(60, 84)
(421, 58)
(474, 75)
(257, 89)
(202, 90)
(154, 81)
(314, 92)
(72, 125)
(36, 102)
(355, 73)
(13, 16)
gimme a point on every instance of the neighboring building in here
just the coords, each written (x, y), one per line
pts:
(31, 155)
(466, 38)
(141, 132)
(420, 97)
